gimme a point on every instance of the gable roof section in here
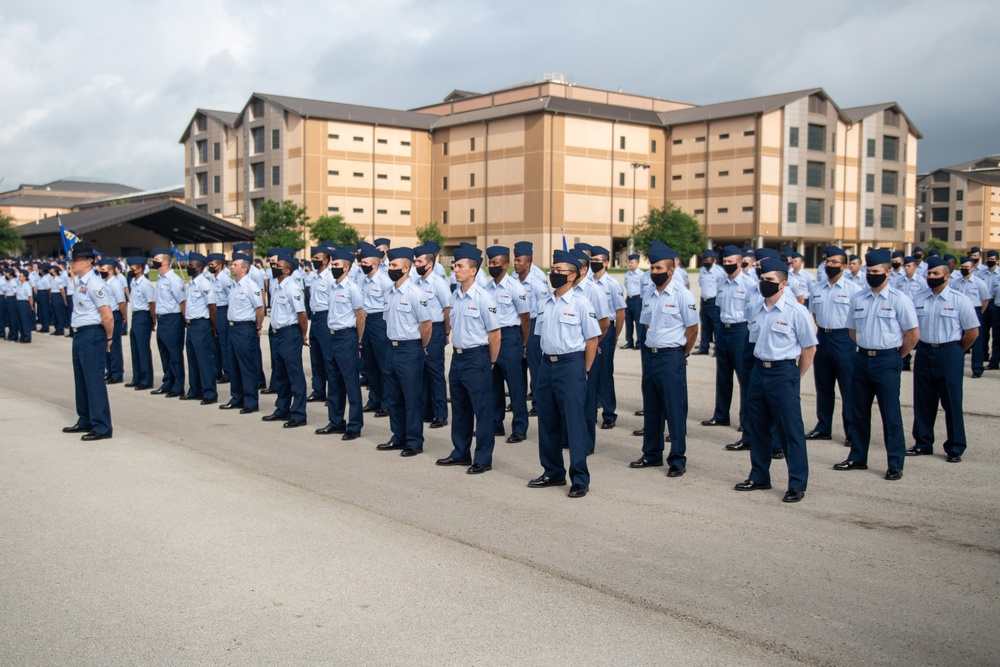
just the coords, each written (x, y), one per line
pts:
(747, 107)
(857, 114)
(226, 118)
(986, 162)
(412, 120)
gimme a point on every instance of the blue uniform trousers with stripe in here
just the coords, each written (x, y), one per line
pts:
(435, 388)
(170, 342)
(833, 367)
(201, 359)
(287, 377)
(244, 355)
(729, 343)
(664, 398)
(605, 363)
(114, 362)
(374, 344)
(222, 343)
(508, 369)
(319, 341)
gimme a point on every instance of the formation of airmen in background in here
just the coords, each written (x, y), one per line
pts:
(381, 317)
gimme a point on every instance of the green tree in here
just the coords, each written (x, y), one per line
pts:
(333, 228)
(431, 232)
(672, 226)
(280, 226)
(940, 245)
(10, 238)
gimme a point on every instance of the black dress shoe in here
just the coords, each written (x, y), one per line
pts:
(847, 442)
(626, 346)
(892, 474)
(516, 437)
(714, 422)
(793, 496)
(499, 431)
(643, 463)
(313, 398)
(76, 428)
(607, 425)
(268, 391)
(369, 408)
(739, 429)
(666, 438)
(448, 461)
(294, 423)
(438, 423)
(157, 392)
(751, 486)
(381, 412)
(209, 401)
(640, 413)
(478, 469)
(350, 435)
(188, 397)
(119, 380)
(993, 367)
(94, 435)
(410, 451)
(954, 458)
(329, 428)
(130, 385)
(816, 435)
(389, 446)
(229, 406)
(248, 411)
(676, 471)
(223, 380)
(850, 465)
(739, 446)
(639, 432)
(578, 491)
(777, 454)
(173, 394)
(543, 481)
(913, 451)
(976, 376)
(142, 387)
(532, 412)
(273, 417)
(697, 352)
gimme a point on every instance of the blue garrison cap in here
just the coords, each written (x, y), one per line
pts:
(772, 264)
(918, 249)
(964, 259)
(400, 253)
(326, 250)
(422, 250)
(288, 251)
(285, 257)
(748, 253)
(469, 252)
(368, 250)
(135, 260)
(497, 250)
(382, 241)
(342, 254)
(633, 256)
(242, 246)
(523, 249)
(600, 250)
(659, 251)
(271, 252)
(580, 255)
(950, 256)
(709, 254)
(787, 250)
(82, 250)
(934, 262)
(216, 257)
(766, 253)
(349, 248)
(160, 251)
(793, 255)
(239, 255)
(197, 257)
(851, 258)
(731, 250)
(992, 253)
(908, 259)
(433, 248)
(877, 256)
(107, 261)
(897, 254)
(833, 251)
(975, 248)
(566, 257)
(933, 252)
(583, 246)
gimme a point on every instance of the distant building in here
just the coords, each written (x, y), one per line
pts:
(212, 163)
(29, 203)
(960, 205)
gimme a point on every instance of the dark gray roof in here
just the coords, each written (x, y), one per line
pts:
(413, 120)
(173, 191)
(227, 118)
(76, 185)
(987, 177)
(552, 104)
(857, 114)
(176, 221)
(457, 94)
(971, 164)
(748, 107)
(42, 199)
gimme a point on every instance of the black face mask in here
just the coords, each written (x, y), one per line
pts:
(758, 272)
(137, 273)
(832, 271)
(192, 272)
(104, 274)
(659, 279)
(935, 282)
(367, 268)
(421, 270)
(895, 266)
(965, 271)
(558, 280)
(154, 265)
(395, 274)
(317, 264)
(769, 289)
(875, 279)
(337, 272)
(731, 268)
(707, 265)
(918, 256)
(276, 272)
(991, 263)
(496, 271)
(746, 265)
(597, 267)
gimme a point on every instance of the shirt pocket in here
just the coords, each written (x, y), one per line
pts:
(887, 313)
(860, 313)
(472, 312)
(404, 307)
(504, 298)
(949, 312)
(569, 318)
(782, 328)
(669, 309)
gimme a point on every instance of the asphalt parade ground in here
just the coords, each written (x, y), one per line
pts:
(197, 536)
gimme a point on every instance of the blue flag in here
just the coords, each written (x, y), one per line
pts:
(565, 247)
(179, 254)
(68, 237)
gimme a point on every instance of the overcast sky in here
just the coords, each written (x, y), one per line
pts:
(105, 88)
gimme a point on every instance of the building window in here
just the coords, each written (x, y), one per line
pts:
(700, 175)
(472, 180)
(889, 182)
(382, 177)
(793, 174)
(871, 148)
(359, 210)
(675, 177)
(939, 214)
(275, 175)
(218, 210)
(959, 195)
(382, 141)
(217, 151)
(202, 179)
(257, 134)
(203, 207)
(404, 143)
(621, 215)
(890, 117)
(888, 218)
(958, 235)
(699, 140)
(444, 148)
(722, 210)
(652, 182)
(472, 215)
(942, 177)
(923, 236)
(381, 211)
(404, 212)
(333, 209)
(404, 178)
(723, 173)
(359, 138)
(890, 148)
(749, 133)
(869, 217)
(201, 123)
(678, 142)
(869, 182)
(815, 173)
(814, 211)
(699, 211)
(257, 108)
(724, 136)
(621, 143)
(940, 233)
(359, 174)
(217, 184)
(472, 144)
(941, 194)
(257, 168)
(817, 137)
(275, 139)
(817, 104)
(444, 217)
(652, 146)
(793, 137)
(793, 212)
(748, 171)
(748, 209)
(202, 147)
(621, 178)
(923, 196)
(333, 136)
(333, 172)
(444, 182)
(959, 216)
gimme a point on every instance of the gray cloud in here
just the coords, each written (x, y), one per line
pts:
(105, 88)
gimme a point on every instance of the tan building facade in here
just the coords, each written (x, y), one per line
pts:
(212, 164)
(960, 205)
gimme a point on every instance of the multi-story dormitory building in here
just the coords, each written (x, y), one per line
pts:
(544, 159)
(960, 205)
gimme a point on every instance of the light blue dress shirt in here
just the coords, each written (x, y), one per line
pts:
(438, 296)
(170, 293)
(709, 280)
(200, 295)
(944, 318)
(911, 286)
(319, 297)
(566, 323)
(374, 289)
(141, 294)
(782, 331)
(244, 300)
(668, 314)
(879, 321)
(732, 298)
(473, 316)
(614, 294)
(288, 302)
(633, 282)
(972, 287)
(536, 290)
(223, 284)
(831, 304)
(344, 298)
(91, 294)
(588, 290)
(405, 308)
(510, 299)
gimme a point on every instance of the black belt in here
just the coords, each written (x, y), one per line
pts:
(878, 353)
(711, 298)
(664, 350)
(833, 331)
(86, 327)
(734, 325)
(404, 343)
(374, 316)
(634, 296)
(471, 350)
(935, 346)
(512, 326)
(194, 319)
(775, 364)
(334, 332)
(285, 328)
(556, 358)
(233, 324)
(320, 312)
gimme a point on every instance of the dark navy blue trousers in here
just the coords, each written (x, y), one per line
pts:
(343, 382)
(709, 316)
(44, 309)
(937, 380)
(201, 359)
(374, 344)
(991, 328)
(833, 367)
(222, 343)
(287, 377)
(470, 380)
(319, 343)
(633, 309)
(170, 341)
(508, 369)
(773, 399)
(877, 377)
(244, 357)
(533, 362)
(561, 416)
(13, 318)
(978, 350)
(605, 363)
(114, 362)
(59, 313)
(435, 387)
(729, 343)
(664, 398)
(139, 337)
(403, 379)
(92, 408)
(26, 319)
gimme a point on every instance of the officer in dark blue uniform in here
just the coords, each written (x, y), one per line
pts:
(93, 331)
(514, 314)
(114, 364)
(290, 333)
(730, 337)
(142, 296)
(475, 338)
(709, 276)
(319, 336)
(883, 323)
(24, 296)
(990, 274)
(222, 283)
(613, 292)
(246, 319)
(633, 305)
(569, 334)
(435, 288)
(374, 287)
(170, 296)
(536, 289)
(948, 327)
(782, 332)
(408, 328)
(202, 323)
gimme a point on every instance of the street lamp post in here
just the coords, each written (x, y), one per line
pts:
(635, 167)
